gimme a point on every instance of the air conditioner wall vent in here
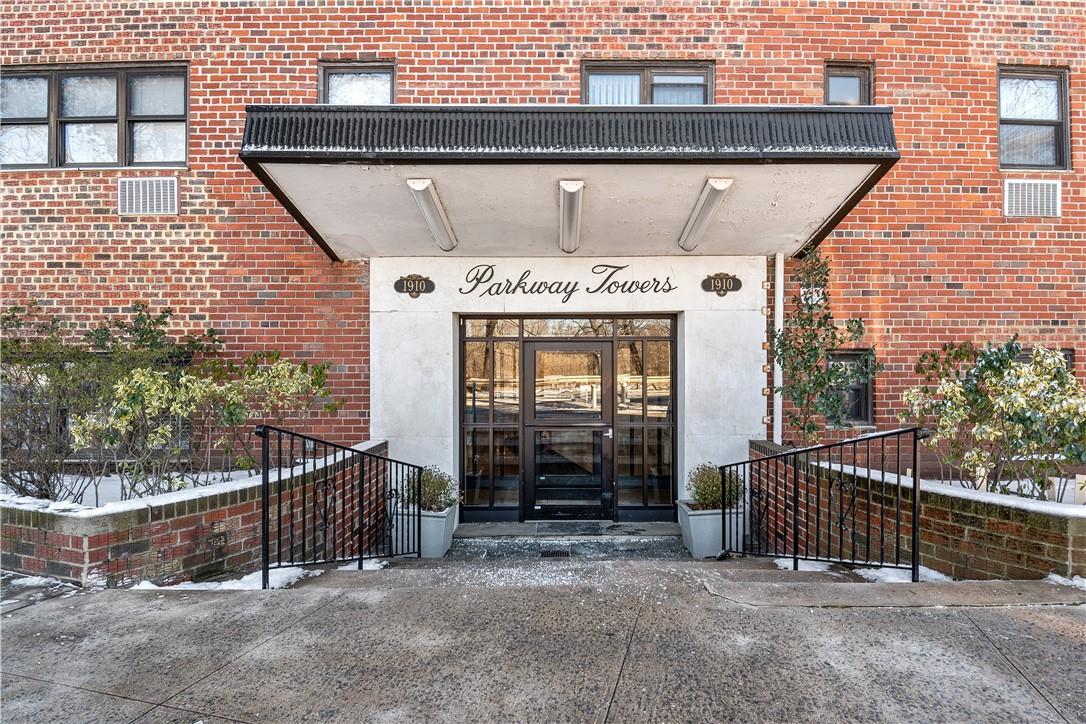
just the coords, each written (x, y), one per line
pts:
(1022, 197)
(147, 196)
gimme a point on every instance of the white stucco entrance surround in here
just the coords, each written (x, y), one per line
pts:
(414, 342)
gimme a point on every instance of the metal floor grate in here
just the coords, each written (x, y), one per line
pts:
(554, 554)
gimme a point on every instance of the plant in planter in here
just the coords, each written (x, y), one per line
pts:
(1001, 420)
(438, 497)
(700, 517)
(52, 377)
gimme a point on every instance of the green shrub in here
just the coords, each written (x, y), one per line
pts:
(996, 419)
(160, 412)
(167, 432)
(439, 490)
(51, 375)
(705, 490)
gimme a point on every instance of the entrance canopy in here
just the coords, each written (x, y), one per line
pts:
(537, 181)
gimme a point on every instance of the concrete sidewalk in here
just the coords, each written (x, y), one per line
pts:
(554, 640)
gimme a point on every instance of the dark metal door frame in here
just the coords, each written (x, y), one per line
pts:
(531, 424)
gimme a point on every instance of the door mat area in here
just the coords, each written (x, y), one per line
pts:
(570, 528)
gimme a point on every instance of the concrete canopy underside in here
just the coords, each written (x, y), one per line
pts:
(592, 181)
(509, 210)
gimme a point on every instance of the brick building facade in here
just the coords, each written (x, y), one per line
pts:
(927, 257)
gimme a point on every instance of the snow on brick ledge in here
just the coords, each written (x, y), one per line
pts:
(186, 535)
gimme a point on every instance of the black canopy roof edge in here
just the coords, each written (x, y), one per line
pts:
(567, 133)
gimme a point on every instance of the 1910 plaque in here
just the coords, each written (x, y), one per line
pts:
(721, 283)
(413, 285)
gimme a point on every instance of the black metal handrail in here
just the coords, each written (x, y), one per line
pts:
(819, 503)
(852, 440)
(329, 503)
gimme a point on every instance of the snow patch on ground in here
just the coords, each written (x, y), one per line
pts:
(277, 578)
(785, 564)
(33, 582)
(1076, 581)
(367, 565)
(900, 575)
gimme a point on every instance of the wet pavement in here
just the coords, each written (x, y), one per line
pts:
(625, 632)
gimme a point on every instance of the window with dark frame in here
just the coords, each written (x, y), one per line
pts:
(357, 84)
(1033, 118)
(847, 84)
(859, 397)
(1068, 354)
(620, 84)
(94, 116)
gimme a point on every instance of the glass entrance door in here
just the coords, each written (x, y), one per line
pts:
(567, 417)
(569, 430)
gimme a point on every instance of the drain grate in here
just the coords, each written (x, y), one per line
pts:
(554, 554)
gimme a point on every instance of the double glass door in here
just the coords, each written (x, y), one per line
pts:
(567, 417)
(569, 430)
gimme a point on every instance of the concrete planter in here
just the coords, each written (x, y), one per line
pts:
(701, 528)
(437, 532)
(435, 529)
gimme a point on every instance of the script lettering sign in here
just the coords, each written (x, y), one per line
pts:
(482, 280)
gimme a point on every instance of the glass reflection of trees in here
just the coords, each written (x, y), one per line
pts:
(568, 382)
(643, 378)
(568, 327)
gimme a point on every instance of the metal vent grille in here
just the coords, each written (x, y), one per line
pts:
(554, 554)
(1031, 198)
(147, 196)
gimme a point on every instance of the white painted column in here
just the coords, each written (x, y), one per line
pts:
(778, 326)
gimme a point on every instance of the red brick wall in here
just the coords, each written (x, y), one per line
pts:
(927, 258)
(201, 537)
(959, 536)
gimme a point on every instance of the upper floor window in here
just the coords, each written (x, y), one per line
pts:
(847, 84)
(618, 84)
(1032, 118)
(360, 84)
(94, 116)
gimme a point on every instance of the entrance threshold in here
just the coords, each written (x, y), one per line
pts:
(563, 528)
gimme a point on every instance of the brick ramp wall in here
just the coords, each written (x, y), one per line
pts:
(965, 534)
(207, 532)
(877, 526)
